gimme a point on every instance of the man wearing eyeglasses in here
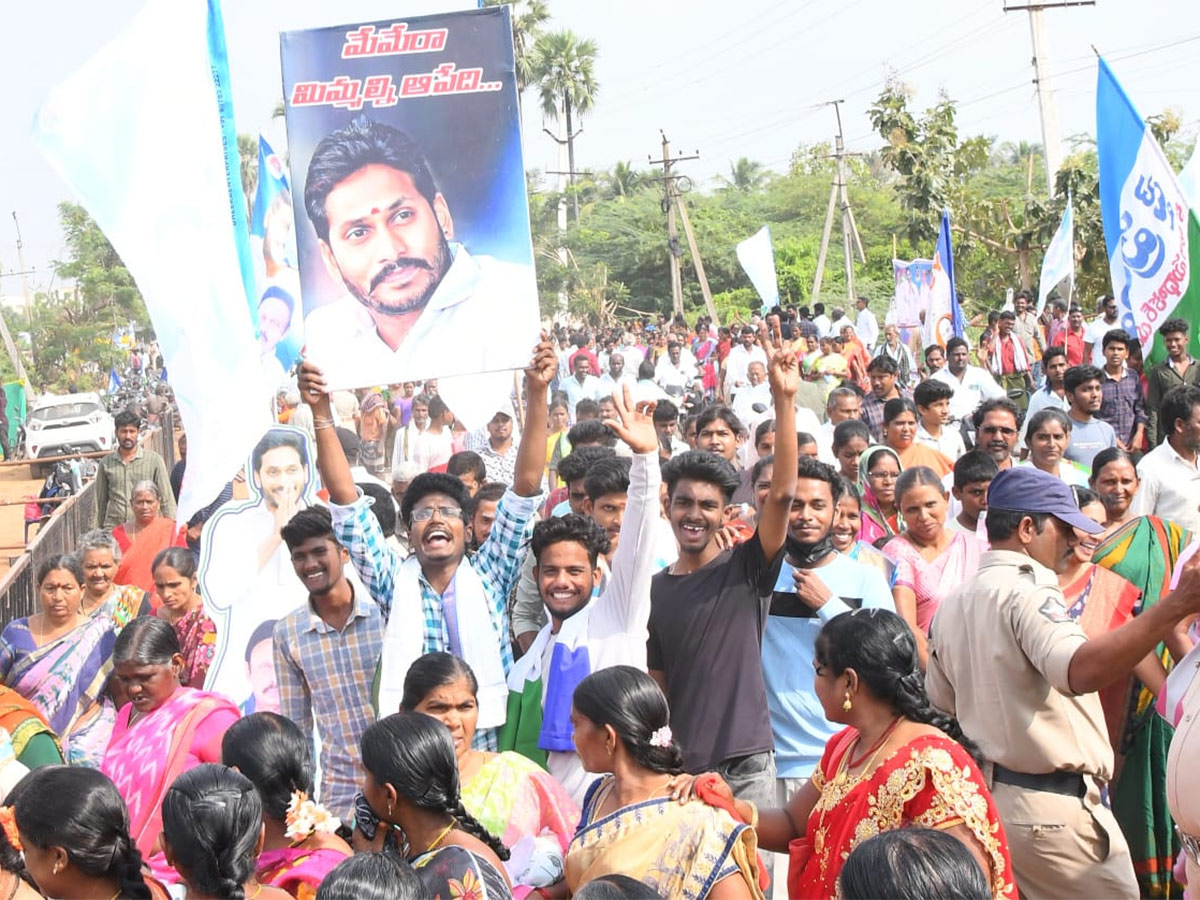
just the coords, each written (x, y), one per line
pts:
(437, 600)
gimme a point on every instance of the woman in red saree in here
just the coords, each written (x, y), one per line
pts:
(141, 538)
(164, 730)
(898, 763)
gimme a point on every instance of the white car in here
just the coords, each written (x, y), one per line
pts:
(67, 424)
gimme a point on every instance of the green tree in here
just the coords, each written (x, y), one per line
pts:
(248, 164)
(528, 17)
(745, 175)
(564, 67)
(623, 180)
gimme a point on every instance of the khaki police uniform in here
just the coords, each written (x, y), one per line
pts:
(1000, 650)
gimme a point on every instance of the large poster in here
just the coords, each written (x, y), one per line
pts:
(914, 281)
(412, 223)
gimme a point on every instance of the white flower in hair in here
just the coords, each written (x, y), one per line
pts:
(306, 816)
(661, 737)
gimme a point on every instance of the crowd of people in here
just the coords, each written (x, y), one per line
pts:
(794, 608)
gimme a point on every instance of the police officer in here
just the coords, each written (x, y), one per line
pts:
(1010, 663)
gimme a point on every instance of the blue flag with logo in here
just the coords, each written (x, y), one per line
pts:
(943, 318)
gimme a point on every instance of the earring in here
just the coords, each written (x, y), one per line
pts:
(846, 704)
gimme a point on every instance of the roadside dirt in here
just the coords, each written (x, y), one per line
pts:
(16, 484)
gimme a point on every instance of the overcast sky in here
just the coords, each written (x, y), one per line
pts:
(726, 79)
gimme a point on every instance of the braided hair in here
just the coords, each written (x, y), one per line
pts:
(633, 704)
(879, 646)
(80, 810)
(274, 754)
(212, 817)
(414, 753)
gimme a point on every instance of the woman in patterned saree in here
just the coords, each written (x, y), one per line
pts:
(511, 796)
(632, 824)
(164, 730)
(175, 580)
(60, 660)
(100, 555)
(1143, 550)
(899, 762)
(299, 847)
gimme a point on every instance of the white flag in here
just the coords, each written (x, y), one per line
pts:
(758, 260)
(1059, 261)
(144, 134)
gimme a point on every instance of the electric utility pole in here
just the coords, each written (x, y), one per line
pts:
(1051, 138)
(839, 197)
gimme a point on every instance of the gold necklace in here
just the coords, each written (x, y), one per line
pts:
(442, 836)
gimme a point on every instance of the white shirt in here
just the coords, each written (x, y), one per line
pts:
(432, 449)
(405, 443)
(824, 436)
(1094, 335)
(824, 326)
(589, 390)
(975, 386)
(610, 385)
(949, 442)
(867, 327)
(1170, 488)
(738, 362)
(483, 317)
(674, 379)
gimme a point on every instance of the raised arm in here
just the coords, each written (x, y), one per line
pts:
(331, 459)
(531, 454)
(783, 372)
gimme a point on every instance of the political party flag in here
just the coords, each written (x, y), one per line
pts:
(114, 381)
(272, 181)
(1059, 261)
(943, 318)
(143, 132)
(1151, 235)
(758, 260)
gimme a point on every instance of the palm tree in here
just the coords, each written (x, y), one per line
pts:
(624, 180)
(528, 17)
(247, 145)
(745, 175)
(564, 67)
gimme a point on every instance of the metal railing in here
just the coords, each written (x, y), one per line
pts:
(18, 592)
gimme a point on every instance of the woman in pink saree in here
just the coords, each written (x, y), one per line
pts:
(164, 730)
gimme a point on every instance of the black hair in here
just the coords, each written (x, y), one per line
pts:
(645, 370)
(362, 143)
(803, 439)
(818, 309)
(181, 559)
(767, 426)
(433, 483)
(311, 522)
(897, 407)
(884, 364)
(80, 810)
(583, 530)
(587, 408)
(351, 445)
(912, 864)
(1115, 336)
(917, 476)
(879, 646)
(996, 403)
(974, 466)
(616, 887)
(849, 489)
(212, 818)
(1008, 314)
(383, 507)
(437, 407)
(273, 440)
(757, 469)
(432, 671)
(1053, 352)
(146, 641)
(1178, 405)
(415, 755)
(954, 343)
(1083, 496)
(846, 431)
(125, 418)
(558, 398)
(489, 491)
(575, 465)
(274, 754)
(1003, 523)
(665, 411)
(813, 469)
(1174, 326)
(1107, 456)
(1049, 413)
(700, 465)
(633, 704)
(929, 350)
(725, 414)
(590, 431)
(930, 391)
(994, 316)
(372, 876)
(265, 631)
(467, 461)
(67, 561)
(607, 476)
(11, 859)
(1077, 375)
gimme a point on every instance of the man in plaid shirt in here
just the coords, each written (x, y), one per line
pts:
(1124, 403)
(433, 510)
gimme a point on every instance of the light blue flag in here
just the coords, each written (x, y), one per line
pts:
(114, 381)
(272, 180)
(944, 318)
(143, 132)
(1059, 261)
(757, 257)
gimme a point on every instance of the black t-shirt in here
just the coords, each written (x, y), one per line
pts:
(706, 631)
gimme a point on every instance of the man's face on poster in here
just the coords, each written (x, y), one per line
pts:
(262, 677)
(274, 317)
(387, 243)
(281, 476)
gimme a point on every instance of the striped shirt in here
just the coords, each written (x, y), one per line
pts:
(324, 678)
(498, 565)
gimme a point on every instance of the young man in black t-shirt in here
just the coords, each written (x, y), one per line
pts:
(709, 609)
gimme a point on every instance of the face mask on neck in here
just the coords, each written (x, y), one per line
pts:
(806, 556)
